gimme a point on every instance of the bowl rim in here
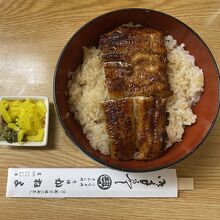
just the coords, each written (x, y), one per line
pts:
(101, 161)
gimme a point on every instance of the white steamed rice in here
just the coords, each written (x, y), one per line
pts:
(87, 89)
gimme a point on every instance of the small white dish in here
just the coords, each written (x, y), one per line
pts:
(31, 143)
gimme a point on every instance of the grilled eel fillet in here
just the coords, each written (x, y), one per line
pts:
(136, 127)
(135, 62)
(121, 127)
(150, 118)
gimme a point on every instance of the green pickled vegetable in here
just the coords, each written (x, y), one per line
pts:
(7, 134)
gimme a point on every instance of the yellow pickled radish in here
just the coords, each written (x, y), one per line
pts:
(5, 103)
(13, 103)
(37, 137)
(40, 108)
(13, 126)
(20, 135)
(4, 113)
(26, 117)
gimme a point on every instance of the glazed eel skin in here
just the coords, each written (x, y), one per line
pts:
(136, 127)
(135, 64)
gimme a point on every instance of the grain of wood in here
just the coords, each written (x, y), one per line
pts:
(185, 183)
(32, 35)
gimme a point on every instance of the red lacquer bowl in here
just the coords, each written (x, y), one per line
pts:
(206, 110)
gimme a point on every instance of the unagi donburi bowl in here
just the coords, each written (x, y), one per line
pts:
(206, 109)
